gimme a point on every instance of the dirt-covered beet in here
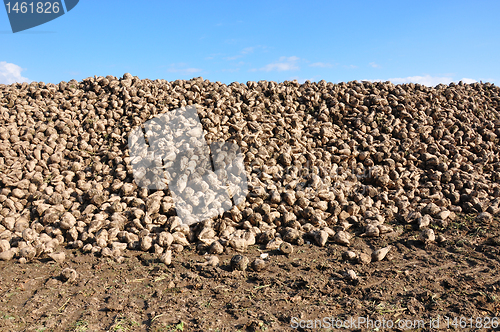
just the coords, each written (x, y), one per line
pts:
(365, 198)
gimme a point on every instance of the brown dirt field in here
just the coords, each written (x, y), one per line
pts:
(455, 279)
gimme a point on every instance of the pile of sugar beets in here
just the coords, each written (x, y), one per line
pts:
(324, 162)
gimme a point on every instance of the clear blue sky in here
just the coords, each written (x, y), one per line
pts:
(421, 41)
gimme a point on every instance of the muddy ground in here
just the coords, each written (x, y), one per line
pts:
(452, 280)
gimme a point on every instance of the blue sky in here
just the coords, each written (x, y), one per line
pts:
(426, 42)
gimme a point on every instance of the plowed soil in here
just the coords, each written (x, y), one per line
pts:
(455, 281)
